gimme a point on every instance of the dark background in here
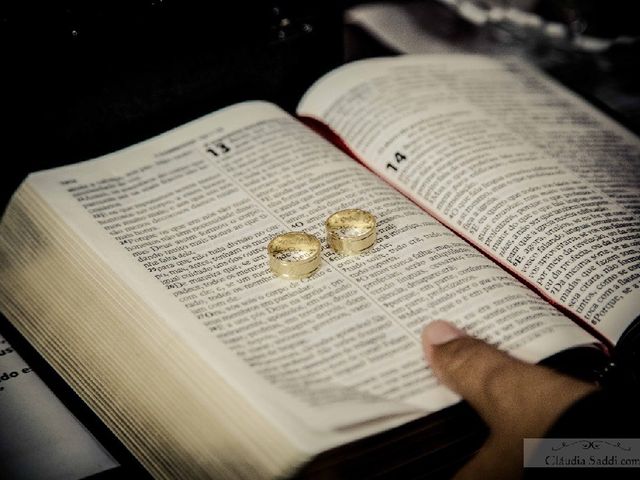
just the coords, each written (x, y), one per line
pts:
(81, 79)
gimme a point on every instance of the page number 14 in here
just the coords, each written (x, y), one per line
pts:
(399, 158)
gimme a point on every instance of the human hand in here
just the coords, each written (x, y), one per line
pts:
(515, 399)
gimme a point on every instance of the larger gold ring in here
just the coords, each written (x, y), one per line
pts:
(351, 231)
(294, 255)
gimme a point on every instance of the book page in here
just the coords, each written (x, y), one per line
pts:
(39, 437)
(185, 220)
(520, 167)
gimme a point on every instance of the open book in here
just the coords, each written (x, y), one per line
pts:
(504, 204)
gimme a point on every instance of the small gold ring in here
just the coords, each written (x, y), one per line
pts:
(294, 255)
(351, 231)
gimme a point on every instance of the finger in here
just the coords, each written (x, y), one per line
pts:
(468, 366)
(506, 392)
(493, 461)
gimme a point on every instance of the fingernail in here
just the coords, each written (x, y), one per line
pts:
(439, 332)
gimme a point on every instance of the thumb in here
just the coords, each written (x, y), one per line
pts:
(512, 397)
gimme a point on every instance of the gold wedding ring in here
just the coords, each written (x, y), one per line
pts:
(294, 255)
(351, 231)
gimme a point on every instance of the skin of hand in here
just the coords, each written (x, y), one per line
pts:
(515, 399)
